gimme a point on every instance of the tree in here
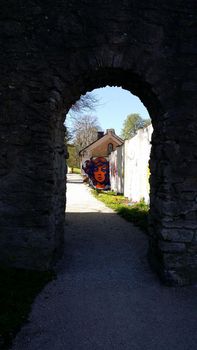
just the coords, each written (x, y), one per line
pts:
(84, 131)
(73, 160)
(74, 119)
(81, 129)
(86, 103)
(132, 123)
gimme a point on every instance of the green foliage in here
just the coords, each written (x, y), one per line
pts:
(18, 288)
(132, 123)
(73, 160)
(137, 214)
(76, 171)
(133, 212)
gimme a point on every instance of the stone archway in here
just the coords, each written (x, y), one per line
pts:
(52, 53)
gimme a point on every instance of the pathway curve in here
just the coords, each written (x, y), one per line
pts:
(105, 296)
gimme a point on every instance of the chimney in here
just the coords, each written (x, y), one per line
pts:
(110, 131)
(100, 134)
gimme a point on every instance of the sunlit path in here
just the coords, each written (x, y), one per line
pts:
(105, 296)
(79, 199)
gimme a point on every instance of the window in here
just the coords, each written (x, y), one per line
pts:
(110, 148)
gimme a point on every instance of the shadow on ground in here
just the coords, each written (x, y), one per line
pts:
(106, 297)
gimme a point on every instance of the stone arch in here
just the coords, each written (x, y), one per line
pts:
(51, 55)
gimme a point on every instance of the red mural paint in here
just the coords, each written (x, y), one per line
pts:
(98, 172)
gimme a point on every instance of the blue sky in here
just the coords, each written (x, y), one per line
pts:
(114, 105)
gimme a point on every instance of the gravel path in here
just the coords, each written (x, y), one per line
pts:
(105, 296)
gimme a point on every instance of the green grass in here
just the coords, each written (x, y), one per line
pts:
(76, 170)
(18, 288)
(133, 212)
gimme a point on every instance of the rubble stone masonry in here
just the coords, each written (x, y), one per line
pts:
(51, 53)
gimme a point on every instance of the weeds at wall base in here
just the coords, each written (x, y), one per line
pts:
(136, 213)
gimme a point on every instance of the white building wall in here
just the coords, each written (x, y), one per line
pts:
(116, 163)
(129, 170)
(113, 169)
(137, 154)
(120, 164)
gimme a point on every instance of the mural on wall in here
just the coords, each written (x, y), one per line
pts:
(113, 166)
(98, 172)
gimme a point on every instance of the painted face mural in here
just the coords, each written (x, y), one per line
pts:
(98, 172)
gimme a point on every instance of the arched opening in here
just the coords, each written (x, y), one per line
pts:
(165, 251)
(100, 110)
(47, 171)
(44, 170)
(54, 52)
(128, 81)
(39, 161)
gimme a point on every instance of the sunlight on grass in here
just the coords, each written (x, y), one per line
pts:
(133, 212)
(76, 171)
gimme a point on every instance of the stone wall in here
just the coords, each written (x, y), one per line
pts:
(51, 53)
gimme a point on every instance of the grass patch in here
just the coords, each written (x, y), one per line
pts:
(76, 171)
(18, 289)
(133, 212)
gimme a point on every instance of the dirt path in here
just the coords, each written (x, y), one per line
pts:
(105, 296)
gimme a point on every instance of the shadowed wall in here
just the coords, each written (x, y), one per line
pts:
(51, 53)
